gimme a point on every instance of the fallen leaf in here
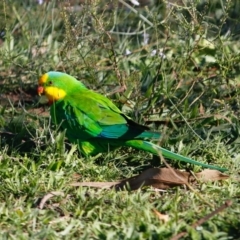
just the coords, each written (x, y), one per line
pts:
(161, 178)
(162, 217)
(201, 109)
(211, 175)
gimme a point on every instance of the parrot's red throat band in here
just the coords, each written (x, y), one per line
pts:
(40, 90)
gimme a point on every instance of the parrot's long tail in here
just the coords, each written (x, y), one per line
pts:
(156, 150)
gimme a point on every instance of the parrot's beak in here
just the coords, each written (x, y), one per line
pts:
(40, 90)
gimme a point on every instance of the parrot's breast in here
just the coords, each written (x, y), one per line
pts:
(53, 93)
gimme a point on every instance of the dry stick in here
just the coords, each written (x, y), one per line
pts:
(48, 196)
(227, 204)
(136, 12)
(185, 120)
(196, 99)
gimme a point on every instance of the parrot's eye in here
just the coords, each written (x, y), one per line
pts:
(50, 82)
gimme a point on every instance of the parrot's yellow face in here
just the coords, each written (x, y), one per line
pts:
(49, 87)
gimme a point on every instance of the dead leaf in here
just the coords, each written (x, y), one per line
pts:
(211, 175)
(220, 117)
(162, 217)
(201, 109)
(76, 176)
(161, 178)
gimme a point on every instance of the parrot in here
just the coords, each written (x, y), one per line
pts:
(94, 123)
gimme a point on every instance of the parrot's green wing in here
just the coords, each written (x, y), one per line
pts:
(86, 115)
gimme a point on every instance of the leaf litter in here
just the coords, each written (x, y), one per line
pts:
(160, 178)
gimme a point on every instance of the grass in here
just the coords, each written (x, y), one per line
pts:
(182, 78)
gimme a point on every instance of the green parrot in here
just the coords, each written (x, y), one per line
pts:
(94, 123)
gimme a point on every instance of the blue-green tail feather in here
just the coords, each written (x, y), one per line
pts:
(156, 150)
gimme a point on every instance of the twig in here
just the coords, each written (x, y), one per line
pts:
(136, 12)
(48, 196)
(185, 120)
(227, 204)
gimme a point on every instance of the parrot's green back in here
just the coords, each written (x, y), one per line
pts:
(94, 123)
